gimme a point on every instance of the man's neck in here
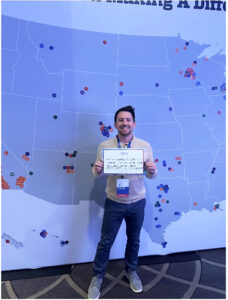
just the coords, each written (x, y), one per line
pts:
(125, 139)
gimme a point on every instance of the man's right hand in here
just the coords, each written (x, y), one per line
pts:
(98, 167)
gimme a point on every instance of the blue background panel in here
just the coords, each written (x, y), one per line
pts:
(50, 181)
(51, 133)
(79, 50)
(142, 50)
(198, 137)
(89, 92)
(157, 108)
(9, 37)
(89, 135)
(162, 136)
(18, 133)
(9, 58)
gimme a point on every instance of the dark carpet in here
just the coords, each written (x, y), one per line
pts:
(203, 278)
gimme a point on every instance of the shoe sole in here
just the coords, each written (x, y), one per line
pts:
(94, 298)
(135, 291)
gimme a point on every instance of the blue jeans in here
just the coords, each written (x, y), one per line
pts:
(114, 213)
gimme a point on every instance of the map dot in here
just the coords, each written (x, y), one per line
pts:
(30, 173)
(55, 116)
(82, 92)
(11, 174)
(54, 95)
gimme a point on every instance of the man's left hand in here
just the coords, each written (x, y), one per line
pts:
(151, 167)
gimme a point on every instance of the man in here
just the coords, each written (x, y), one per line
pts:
(118, 207)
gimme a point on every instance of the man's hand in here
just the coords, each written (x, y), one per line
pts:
(151, 167)
(98, 167)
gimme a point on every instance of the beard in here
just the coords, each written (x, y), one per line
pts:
(127, 132)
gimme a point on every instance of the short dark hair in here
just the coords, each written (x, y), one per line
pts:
(128, 108)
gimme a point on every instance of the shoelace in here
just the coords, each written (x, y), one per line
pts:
(134, 275)
(96, 281)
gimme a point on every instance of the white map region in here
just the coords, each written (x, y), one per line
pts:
(59, 83)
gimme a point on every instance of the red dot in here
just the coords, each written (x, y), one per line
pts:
(180, 72)
(205, 59)
(177, 50)
(85, 88)
(185, 48)
(195, 203)
(219, 112)
(156, 160)
(105, 42)
(7, 241)
(121, 83)
(6, 152)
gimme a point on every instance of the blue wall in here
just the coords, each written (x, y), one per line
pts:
(63, 73)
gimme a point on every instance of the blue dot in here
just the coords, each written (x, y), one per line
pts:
(197, 83)
(107, 134)
(64, 167)
(160, 210)
(54, 95)
(159, 196)
(100, 123)
(51, 47)
(109, 127)
(158, 226)
(224, 97)
(157, 84)
(164, 244)
(177, 213)
(169, 168)
(82, 92)
(156, 218)
(121, 93)
(170, 108)
(164, 163)
(72, 167)
(27, 153)
(66, 154)
(41, 45)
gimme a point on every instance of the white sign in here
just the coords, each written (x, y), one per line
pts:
(123, 160)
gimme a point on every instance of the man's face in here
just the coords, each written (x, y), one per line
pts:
(124, 123)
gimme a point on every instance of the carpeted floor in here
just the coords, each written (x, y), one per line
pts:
(196, 279)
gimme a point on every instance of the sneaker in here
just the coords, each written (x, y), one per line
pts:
(135, 282)
(94, 287)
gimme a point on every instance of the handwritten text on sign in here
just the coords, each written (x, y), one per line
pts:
(123, 161)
